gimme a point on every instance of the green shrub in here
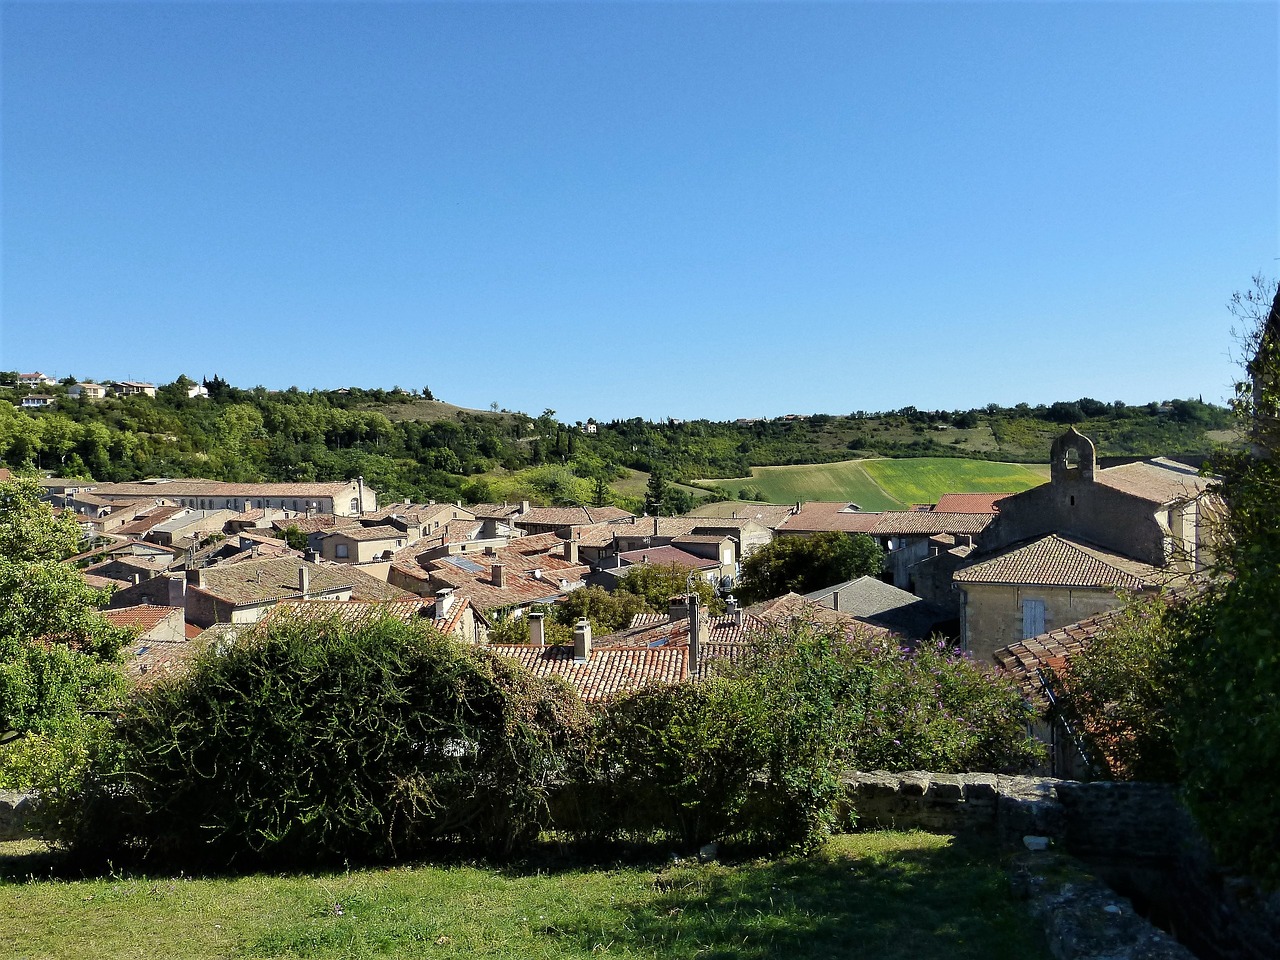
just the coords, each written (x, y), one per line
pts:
(713, 760)
(892, 709)
(322, 741)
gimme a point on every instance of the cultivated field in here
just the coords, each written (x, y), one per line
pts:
(891, 896)
(887, 484)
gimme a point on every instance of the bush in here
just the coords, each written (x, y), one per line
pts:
(892, 709)
(322, 741)
(714, 760)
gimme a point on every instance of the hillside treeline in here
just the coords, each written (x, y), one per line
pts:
(406, 451)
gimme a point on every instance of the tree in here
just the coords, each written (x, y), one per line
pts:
(658, 583)
(1228, 737)
(56, 649)
(1121, 693)
(805, 564)
(655, 494)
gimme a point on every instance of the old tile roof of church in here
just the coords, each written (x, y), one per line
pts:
(1158, 480)
(969, 502)
(1057, 561)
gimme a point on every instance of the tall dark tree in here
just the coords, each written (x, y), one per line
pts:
(805, 564)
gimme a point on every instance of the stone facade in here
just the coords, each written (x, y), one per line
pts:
(993, 612)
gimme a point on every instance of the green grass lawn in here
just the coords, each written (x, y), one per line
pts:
(886, 484)
(889, 896)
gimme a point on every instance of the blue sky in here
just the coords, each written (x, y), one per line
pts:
(641, 209)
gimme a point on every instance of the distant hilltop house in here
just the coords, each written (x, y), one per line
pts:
(344, 498)
(86, 391)
(130, 388)
(37, 401)
(35, 380)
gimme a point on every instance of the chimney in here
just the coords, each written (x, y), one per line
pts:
(524, 507)
(571, 549)
(537, 630)
(655, 524)
(310, 555)
(695, 634)
(444, 602)
(496, 575)
(248, 505)
(835, 600)
(582, 640)
(360, 488)
(195, 577)
(677, 608)
(177, 591)
(304, 581)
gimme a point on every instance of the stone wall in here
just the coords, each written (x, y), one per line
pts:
(16, 810)
(1135, 836)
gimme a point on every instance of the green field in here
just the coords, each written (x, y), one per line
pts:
(891, 896)
(886, 484)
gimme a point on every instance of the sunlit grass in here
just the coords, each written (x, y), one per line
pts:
(881, 895)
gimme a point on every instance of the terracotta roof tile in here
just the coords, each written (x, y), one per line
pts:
(1062, 562)
(144, 616)
(1158, 480)
(607, 672)
(817, 516)
(927, 523)
(570, 516)
(259, 580)
(666, 556)
(969, 502)
(1023, 659)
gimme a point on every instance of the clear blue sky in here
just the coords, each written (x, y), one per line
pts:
(641, 209)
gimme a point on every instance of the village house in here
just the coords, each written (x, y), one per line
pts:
(36, 401)
(447, 614)
(244, 592)
(882, 605)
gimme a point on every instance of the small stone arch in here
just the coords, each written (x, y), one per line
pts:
(1072, 457)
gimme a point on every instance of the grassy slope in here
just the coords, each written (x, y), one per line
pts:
(885, 895)
(887, 484)
(925, 479)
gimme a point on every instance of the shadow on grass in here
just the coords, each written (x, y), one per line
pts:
(939, 898)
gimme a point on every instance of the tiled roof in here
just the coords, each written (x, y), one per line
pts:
(494, 511)
(883, 605)
(792, 607)
(148, 520)
(367, 587)
(213, 488)
(922, 523)
(314, 523)
(1023, 659)
(365, 534)
(765, 514)
(1056, 561)
(352, 611)
(569, 516)
(156, 564)
(666, 556)
(144, 616)
(418, 512)
(669, 527)
(607, 672)
(968, 502)
(1159, 480)
(257, 581)
(817, 516)
(701, 538)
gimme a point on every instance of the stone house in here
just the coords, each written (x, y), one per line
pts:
(1071, 548)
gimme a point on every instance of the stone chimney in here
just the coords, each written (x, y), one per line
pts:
(444, 602)
(835, 600)
(655, 524)
(571, 549)
(695, 634)
(678, 608)
(524, 507)
(582, 640)
(304, 581)
(496, 575)
(537, 630)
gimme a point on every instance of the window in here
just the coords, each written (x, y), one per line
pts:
(1032, 618)
(340, 551)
